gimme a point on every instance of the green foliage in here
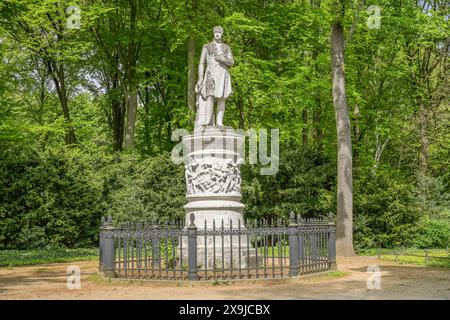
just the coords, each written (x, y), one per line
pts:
(50, 198)
(391, 210)
(384, 207)
(432, 197)
(421, 261)
(433, 234)
(11, 258)
(145, 188)
(395, 76)
(304, 184)
(427, 257)
(57, 198)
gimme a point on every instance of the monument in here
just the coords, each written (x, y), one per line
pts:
(214, 84)
(214, 156)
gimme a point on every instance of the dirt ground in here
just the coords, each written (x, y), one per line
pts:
(397, 282)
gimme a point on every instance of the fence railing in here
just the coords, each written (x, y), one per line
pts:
(260, 249)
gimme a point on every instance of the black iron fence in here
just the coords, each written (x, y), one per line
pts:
(260, 249)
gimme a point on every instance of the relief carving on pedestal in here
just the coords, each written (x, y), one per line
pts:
(213, 175)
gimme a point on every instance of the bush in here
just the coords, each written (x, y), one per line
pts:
(144, 188)
(433, 234)
(48, 198)
(433, 197)
(304, 184)
(57, 198)
(384, 209)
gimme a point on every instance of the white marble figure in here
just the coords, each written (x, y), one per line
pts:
(214, 83)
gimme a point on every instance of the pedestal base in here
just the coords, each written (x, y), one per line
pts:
(213, 183)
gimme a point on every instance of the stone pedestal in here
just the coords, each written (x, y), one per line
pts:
(214, 194)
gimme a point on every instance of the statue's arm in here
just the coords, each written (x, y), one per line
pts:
(228, 59)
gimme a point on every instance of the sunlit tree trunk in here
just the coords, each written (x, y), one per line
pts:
(191, 73)
(128, 142)
(131, 56)
(344, 217)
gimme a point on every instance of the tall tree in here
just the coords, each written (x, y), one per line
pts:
(191, 56)
(344, 215)
(129, 57)
(119, 30)
(428, 52)
(41, 27)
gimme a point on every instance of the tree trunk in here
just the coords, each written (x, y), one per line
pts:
(117, 114)
(130, 60)
(128, 142)
(317, 133)
(423, 153)
(131, 74)
(191, 73)
(117, 124)
(356, 135)
(58, 75)
(344, 216)
(147, 134)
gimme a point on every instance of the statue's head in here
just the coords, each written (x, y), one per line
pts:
(218, 32)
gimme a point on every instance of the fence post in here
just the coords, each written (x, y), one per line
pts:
(107, 248)
(156, 254)
(301, 245)
(293, 246)
(332, 245)
(192, 249)
(100, 245)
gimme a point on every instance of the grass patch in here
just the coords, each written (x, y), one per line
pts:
(327, 276)
(336, 274)
(12, 258)
(221, 282)
(96, 278)
(420, 261)
(436, 257)
(274, 251)
(283, 251)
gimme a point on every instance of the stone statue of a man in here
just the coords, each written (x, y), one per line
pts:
(214, 83)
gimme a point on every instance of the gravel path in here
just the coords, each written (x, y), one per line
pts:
(397, 282)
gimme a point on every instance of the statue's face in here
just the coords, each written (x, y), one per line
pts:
(218, 34)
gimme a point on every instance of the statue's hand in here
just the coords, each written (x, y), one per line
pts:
(224, 61)
(220, 59)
